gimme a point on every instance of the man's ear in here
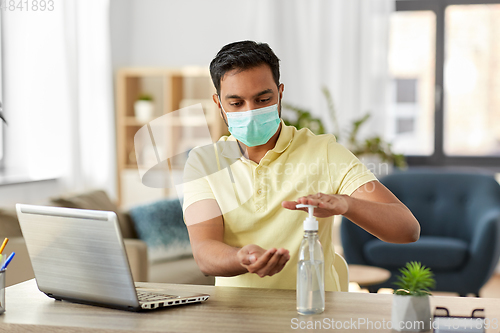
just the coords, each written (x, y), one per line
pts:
(281, 88)
(215, 98)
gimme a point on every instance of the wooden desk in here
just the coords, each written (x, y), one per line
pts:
(227, 310)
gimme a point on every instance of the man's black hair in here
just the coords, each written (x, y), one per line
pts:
(241, 56)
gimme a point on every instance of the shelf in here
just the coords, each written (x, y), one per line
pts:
(171, 89)
(130, 166)
(132, 121)
(192, 122)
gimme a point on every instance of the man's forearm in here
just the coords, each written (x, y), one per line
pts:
(391, 222)
(218, 259)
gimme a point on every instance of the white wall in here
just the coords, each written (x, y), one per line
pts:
(176, 33)
(320, 42)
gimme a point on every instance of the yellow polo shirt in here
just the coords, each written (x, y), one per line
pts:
(250, 195)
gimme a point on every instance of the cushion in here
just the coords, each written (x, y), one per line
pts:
(438, 253)
(9, 224)
(161, 225)
(97, 200)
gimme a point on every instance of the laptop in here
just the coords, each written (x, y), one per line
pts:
(78, 255)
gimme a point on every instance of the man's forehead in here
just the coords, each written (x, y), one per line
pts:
(248, 83)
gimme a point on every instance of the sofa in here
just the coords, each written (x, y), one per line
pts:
(173, 268)
(459, 214)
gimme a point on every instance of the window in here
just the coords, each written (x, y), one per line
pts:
(411, 65)
(444, 59)
(472, 80)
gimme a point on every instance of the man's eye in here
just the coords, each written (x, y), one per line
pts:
(265, 100)
(235, 104)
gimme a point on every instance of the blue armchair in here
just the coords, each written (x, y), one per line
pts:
(459, 215)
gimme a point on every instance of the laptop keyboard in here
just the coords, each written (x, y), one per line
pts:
(147, 296)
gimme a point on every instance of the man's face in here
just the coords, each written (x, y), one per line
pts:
(250, 89)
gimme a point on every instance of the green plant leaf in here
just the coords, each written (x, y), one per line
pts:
(145, 97)
(374, 145)
(416, 279)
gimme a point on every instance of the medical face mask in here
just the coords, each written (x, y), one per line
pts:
(254, 127)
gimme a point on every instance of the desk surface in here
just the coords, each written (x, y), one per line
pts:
(227, 310)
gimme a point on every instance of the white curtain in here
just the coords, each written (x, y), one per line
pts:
(337, 43)
(59, 96)
(89, 72)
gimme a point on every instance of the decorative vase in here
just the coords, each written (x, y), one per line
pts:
(411, 313)
(143, 110)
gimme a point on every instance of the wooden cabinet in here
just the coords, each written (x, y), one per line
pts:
(171, 89)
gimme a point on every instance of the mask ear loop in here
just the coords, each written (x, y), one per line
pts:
(231, 176)
(222, 111)
(242, 151)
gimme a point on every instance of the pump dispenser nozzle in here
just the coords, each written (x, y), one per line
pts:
(310, 223)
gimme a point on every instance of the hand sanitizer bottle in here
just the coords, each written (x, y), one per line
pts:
(310, 269)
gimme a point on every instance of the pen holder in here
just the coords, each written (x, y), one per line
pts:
(2, 291)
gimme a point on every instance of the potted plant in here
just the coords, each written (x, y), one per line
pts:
(411, 304)
(372, 151)
(143, 108)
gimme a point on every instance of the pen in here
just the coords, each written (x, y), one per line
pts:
(7, 262)
(3, 245)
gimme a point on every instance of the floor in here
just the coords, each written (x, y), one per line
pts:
(490, 290)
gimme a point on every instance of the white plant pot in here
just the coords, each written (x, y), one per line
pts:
(411, 313)
(143, 111)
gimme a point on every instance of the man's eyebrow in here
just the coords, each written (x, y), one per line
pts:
(263, 92)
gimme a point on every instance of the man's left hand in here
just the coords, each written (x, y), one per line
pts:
(327, 204)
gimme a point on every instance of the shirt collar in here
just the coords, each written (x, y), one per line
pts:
(231, 150)
(285, 138)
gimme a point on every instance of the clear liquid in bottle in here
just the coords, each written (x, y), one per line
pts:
(310, 287)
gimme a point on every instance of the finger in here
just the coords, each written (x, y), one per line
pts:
(289, 205)
(284, 258)
(318, 195)
(252, 258)
(262, 261)
(248, 260)
(312, 201)
(304, 200)
(270, 265)
(281, 263)
(292, 205)
(246, 255)
(242, 255)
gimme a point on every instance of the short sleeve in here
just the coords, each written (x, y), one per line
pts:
(195, 185)
(347, 173)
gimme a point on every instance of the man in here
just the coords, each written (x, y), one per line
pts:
(242, 220)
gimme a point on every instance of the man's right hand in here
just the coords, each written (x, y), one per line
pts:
(261, 262)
